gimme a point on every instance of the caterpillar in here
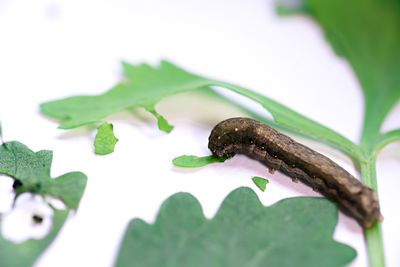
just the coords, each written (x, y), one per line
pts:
(280, 152)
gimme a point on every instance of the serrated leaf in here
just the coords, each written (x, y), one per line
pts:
(105, 140)
(260, 182)
(292, 232)
(32, 171)
(190, 161)
(25, 254)
(145, 85)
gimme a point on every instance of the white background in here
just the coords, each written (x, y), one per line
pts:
(54, 49)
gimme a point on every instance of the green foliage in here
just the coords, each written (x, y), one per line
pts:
(292, 232)
(25, 254)
(260, 182)
(189, 161)
(32, 171)
(366, 33)
(105, 140)
(145, 85)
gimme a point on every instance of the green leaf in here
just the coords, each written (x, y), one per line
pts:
(190, 161)
(1, 134)
(292, 232)
(32, 171)
(105, 140)
(260, 182)
(366, 33)
(144, 88)
(145, 85)
(25, 254)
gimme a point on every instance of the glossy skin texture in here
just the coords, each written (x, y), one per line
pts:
(279, 152)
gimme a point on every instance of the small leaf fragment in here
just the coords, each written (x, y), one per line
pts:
(293, 232)
(260, 182)
(163, 124)
(105, 140)
(190, 161)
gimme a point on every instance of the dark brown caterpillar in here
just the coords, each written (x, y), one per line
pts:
(279, 152)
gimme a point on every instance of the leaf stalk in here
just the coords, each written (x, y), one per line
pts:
(373, 234)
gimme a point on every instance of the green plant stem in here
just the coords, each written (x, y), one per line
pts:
(373, 234)
(282, 115)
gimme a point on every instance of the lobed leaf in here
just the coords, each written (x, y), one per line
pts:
(31, 172)
(146, 85)
(292, 232)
